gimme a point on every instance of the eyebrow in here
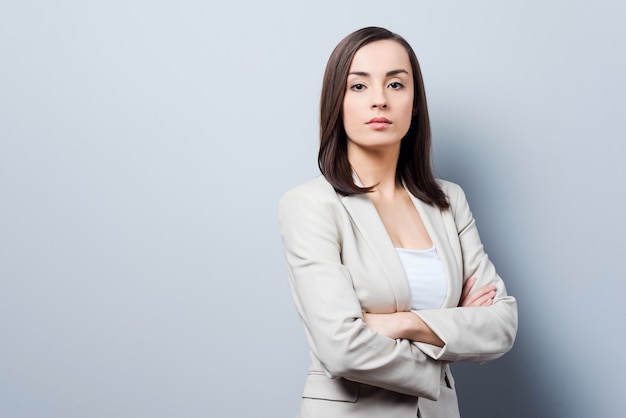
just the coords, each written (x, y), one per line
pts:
(389, 73)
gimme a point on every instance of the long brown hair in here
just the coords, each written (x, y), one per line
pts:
(414, 165)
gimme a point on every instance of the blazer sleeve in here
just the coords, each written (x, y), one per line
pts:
(475, 334)
(330, 310)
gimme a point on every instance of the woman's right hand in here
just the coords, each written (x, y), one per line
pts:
(480, 297)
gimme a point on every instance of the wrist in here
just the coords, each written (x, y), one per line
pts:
(410, 326)
(419, 331)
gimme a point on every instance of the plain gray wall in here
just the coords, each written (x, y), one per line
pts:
(144, 146)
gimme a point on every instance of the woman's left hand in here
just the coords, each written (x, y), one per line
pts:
(410, 326)
(480, 297)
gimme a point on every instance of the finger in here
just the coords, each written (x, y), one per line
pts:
(486, 300)
(467, 287)
(483, 291)
(480, 296)
(471, 300)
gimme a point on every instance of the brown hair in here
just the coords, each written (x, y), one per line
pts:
(414, 165)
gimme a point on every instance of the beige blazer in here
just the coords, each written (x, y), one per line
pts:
(342, 262)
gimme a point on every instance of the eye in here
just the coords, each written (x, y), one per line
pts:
(357, 87)
(396, 85)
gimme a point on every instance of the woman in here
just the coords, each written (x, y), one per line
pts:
(386, 267)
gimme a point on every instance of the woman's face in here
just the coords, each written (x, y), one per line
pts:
(378, 105)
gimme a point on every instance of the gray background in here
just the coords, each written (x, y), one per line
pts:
(143, 148)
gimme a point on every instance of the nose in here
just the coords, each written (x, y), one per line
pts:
(379, 101)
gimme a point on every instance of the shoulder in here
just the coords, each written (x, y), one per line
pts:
(459, 207)
(456, 196)
(315, 190)
(452, 190)
(310, 211)
(316, 196)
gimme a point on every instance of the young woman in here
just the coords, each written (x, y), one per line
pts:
(385, 264)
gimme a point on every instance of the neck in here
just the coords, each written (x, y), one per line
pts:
(375, 167)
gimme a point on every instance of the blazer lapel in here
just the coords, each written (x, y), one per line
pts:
(434, 222)
(365, 217)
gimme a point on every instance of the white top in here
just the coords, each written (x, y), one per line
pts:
(426, 275)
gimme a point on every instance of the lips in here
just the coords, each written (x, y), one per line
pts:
(379, 120)
(378, 123)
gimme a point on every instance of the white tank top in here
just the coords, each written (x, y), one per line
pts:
(426, 275)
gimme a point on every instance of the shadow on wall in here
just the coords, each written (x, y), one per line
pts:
(503, 388)
(515, 385)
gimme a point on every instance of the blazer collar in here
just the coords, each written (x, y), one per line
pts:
(436, 226)
(368, 222)
(366, 218)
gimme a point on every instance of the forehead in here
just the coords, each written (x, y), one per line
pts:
(380, 57)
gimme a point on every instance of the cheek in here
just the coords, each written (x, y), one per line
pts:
(347, 107)
(348, 112)
(407, 108)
